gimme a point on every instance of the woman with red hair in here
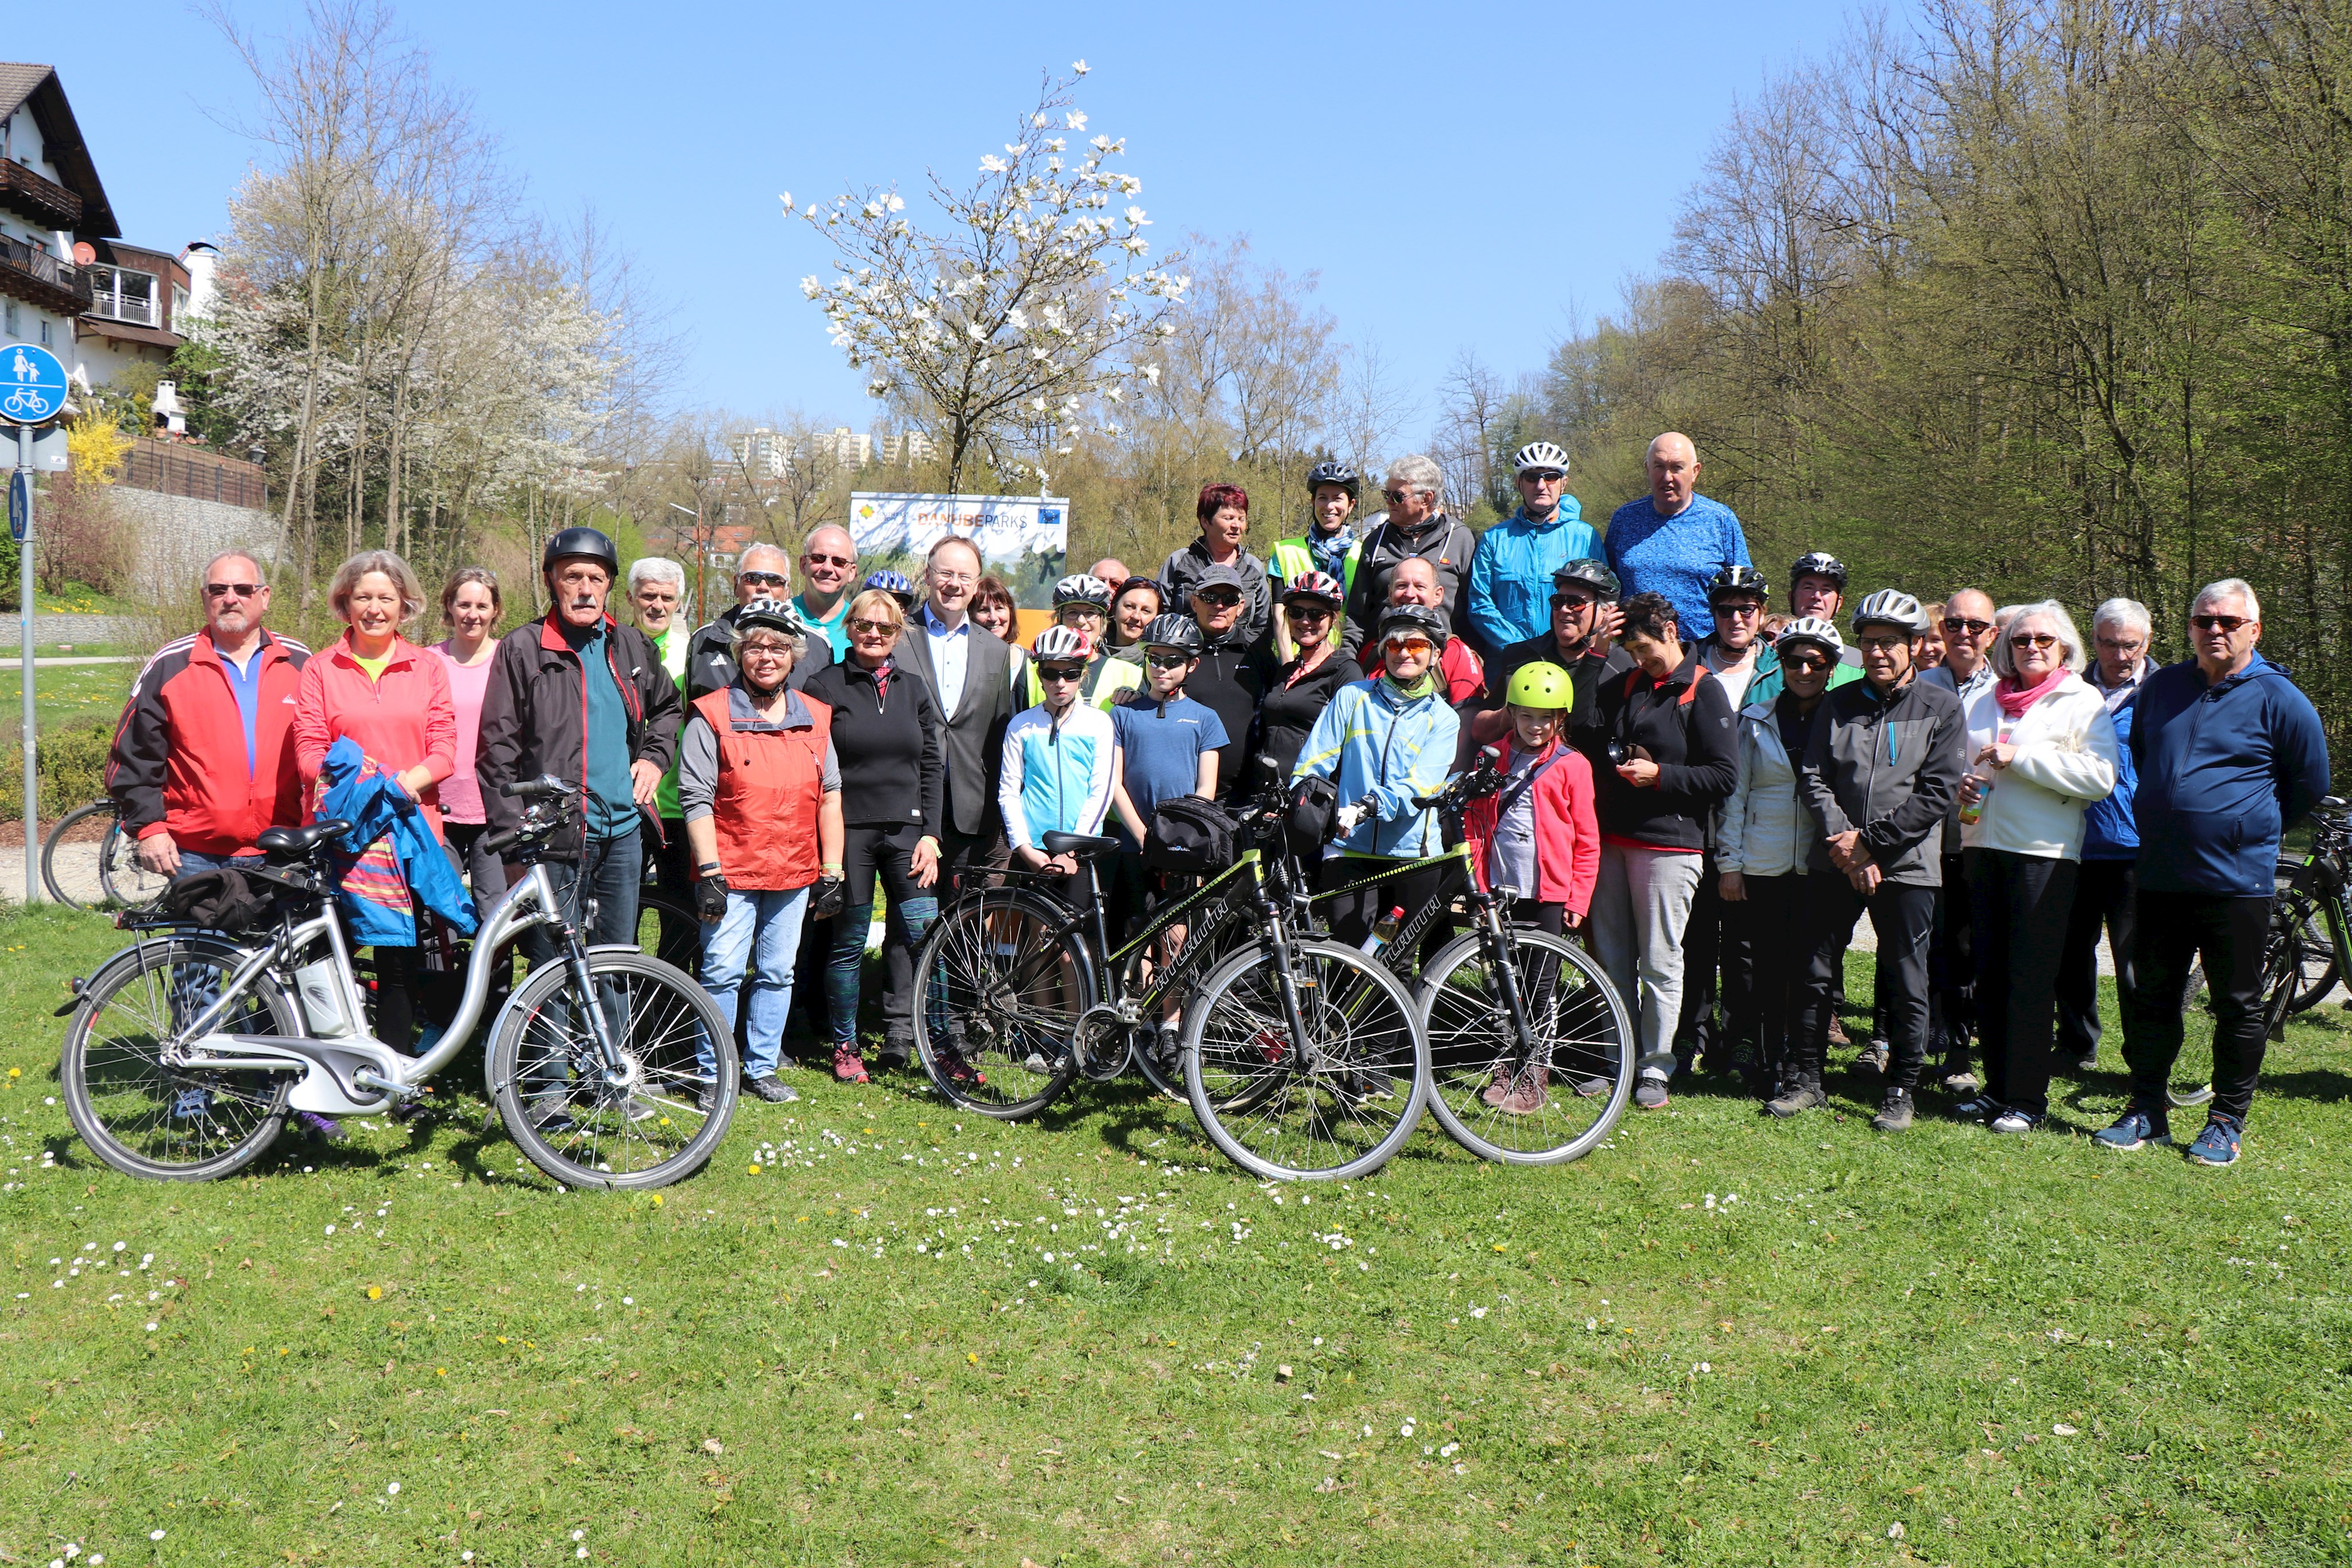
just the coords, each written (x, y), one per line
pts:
(1223, 512)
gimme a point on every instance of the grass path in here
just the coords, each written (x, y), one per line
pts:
(870, 1334)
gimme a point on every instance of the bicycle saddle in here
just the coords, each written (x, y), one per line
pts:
(1060, 844)
(294, 843)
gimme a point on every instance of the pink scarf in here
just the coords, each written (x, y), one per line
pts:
(2014, 702)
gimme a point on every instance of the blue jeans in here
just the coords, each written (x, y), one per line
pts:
(764, 927)
(608, 871)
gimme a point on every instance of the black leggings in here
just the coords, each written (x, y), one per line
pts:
(888, 853)
(1352, 914)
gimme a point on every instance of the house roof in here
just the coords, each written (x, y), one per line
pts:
(37, 84)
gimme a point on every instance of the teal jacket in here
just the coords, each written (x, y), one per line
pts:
(1370, 741)
(1510, 572)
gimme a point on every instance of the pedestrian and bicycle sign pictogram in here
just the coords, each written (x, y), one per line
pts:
(32, 384)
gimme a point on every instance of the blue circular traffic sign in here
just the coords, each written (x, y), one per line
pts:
(32, 384)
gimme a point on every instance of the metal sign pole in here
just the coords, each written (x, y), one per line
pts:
(23, 478)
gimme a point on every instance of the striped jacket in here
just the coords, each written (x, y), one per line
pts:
(179, 764)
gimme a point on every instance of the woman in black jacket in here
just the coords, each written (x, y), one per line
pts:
(1670, 758)
(887, 736)
(1298, 693)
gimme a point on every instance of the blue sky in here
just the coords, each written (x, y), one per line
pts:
(1462, 176)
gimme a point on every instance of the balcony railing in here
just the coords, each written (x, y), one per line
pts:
(32, 274)
(172, 469)
(45, 202)
(120, 295)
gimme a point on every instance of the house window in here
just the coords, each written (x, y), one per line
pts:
(179, 303)
(45, 332)
(120, 294)
(12, 318)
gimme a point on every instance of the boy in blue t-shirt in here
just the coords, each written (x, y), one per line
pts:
(1165, 747)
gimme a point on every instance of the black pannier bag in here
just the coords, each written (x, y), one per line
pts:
(1189, 835)
(1306, 824)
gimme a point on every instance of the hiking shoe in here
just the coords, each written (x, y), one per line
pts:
(894, 1055)
(1873, 1057)
(1795, 1099)
(550, 1113)
(2218, 1143)
(1837, 1030)
(848, 1066)
(773, 1090)
(1649, 1094)
(1894, 1114)
(2135, 1129)
(1498, 1088)
(1530, 1094)
(1960, 1083)
(2012, 1120)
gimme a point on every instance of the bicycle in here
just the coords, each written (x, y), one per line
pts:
(1303, 1059)
(187, 1049)
(114, 880)
(1507, 1008)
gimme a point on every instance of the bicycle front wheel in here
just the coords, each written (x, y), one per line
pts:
(71, 855)
(2315, 950)
(148, 1119)
(1552, 1101)
(1333, 1106)
(655, 1120)
(1001, 990)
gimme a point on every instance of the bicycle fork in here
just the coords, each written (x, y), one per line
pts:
(1287, 976)
(1498, 955)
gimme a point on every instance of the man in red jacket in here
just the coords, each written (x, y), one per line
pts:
(204, 754)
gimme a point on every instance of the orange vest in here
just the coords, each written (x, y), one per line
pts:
(764, 808)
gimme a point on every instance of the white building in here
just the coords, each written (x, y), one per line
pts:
(764, 453)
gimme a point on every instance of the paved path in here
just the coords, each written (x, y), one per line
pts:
(62, 663)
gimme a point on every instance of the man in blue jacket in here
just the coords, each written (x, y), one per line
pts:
(1510, 572)
(2230, 755)
(2107, 890)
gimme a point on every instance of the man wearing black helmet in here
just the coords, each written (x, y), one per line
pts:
(1816, 588)
(1585, 617)
(580, 696)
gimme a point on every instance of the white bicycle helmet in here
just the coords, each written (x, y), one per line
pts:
(1058, 642)
(1083, 588)
(1814, 630)
(1891, 606)
(1543, 454)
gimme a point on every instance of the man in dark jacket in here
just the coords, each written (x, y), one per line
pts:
(1880, 772)
(969, 670)
(1234, 671)
(1583, 617)
(585, 698)
(2230, 755)
(1416, 525)
(761, 572)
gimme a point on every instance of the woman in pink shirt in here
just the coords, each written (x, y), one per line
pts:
(470, 606)
(392, 698)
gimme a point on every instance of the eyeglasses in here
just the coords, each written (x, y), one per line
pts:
(874, 628)
(2218, 623)
(1418, 646)
(1973, 627)
(762, 579)
(1167, 661)
(242, 590)
(1881, 644)
(810, 557)
(2035, 639)
(953, 578)
(1738, 609)
(1061, 672)
(1221, 598)
(763, 651)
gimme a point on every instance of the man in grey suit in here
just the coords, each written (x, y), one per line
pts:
(970, 672)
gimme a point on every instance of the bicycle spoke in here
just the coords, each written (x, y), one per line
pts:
(1506, 1098)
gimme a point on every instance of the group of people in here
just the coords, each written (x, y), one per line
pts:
(1712, 791)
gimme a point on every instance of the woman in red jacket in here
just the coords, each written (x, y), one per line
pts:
(394, 699)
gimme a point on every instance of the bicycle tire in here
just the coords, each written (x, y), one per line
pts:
(126, 880)
(1572, 1009)
(65, 885)
(2315, 950)
(1002, 1000)
(129, 1108)
(1343, 1114)
(542, 1068)
(669, 931)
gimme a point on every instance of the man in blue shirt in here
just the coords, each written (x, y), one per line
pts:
(1674, 541)
(1510, 572)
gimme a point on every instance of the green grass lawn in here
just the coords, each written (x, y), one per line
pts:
(872, 1333)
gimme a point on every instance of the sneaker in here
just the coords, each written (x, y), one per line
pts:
(2135, 1129)
(951, 1063)
(1978, 1108)
(2218, 1143)
(550, 1113)
(1894, 1116)
(326, 1127)
(1167, 1045)
(1960, 1083)
(192, 1105)
(2012, 1120)
(1592, 1086)
(848, 1066)
(1649, 1094)
(773, 1090)
(1796, 1099)
(1528, 1096)
(1372, 1086)
(894, 1055)
(1873, 1057)
(2085, 1064)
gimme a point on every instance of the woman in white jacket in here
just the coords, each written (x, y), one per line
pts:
(1760, 852)
(2041, 748)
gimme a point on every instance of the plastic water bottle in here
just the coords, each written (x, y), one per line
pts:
(1384, 929)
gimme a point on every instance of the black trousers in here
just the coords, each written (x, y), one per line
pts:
(1353, 915)
(1953, 968)
(883, 851)
(1760, 998)
(2106, 895)
(670, 865)
(2228, 934)
(2021, 904)
(1903, 915)
(1708, 946)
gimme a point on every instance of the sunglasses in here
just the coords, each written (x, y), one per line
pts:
(1572, 601)
(1737, 609)
(1805, 663)
(1223, 597)
(1061, 672)
(763, 579)
(2035, 639)
(1308, 611)
(1973, 627)
(810, 558)
(242, 590)
(1396, 498)
(1167, 661)
(1420, 645)
(2218, 623)
(874, 628)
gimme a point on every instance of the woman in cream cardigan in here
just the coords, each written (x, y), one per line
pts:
(2041, 748)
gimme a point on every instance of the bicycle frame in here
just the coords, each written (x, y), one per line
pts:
(1109, 964)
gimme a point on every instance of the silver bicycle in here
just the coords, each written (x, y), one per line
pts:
(187, 1049)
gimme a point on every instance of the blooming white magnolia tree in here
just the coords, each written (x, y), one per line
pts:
(1032, 308)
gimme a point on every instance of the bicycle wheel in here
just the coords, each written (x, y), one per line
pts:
(1001, 991)
(1524, 1109)
(70, 856)
(161, 1123)
(1334, 1106)
(2315, 950)
(677, 1082)
(127, 883)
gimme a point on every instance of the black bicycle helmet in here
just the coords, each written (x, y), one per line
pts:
(1430, 623)
(1178, 632)
(581, 544)
(1738, 579)
(1331, 471)
(1587, 572)
(1817, 563)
